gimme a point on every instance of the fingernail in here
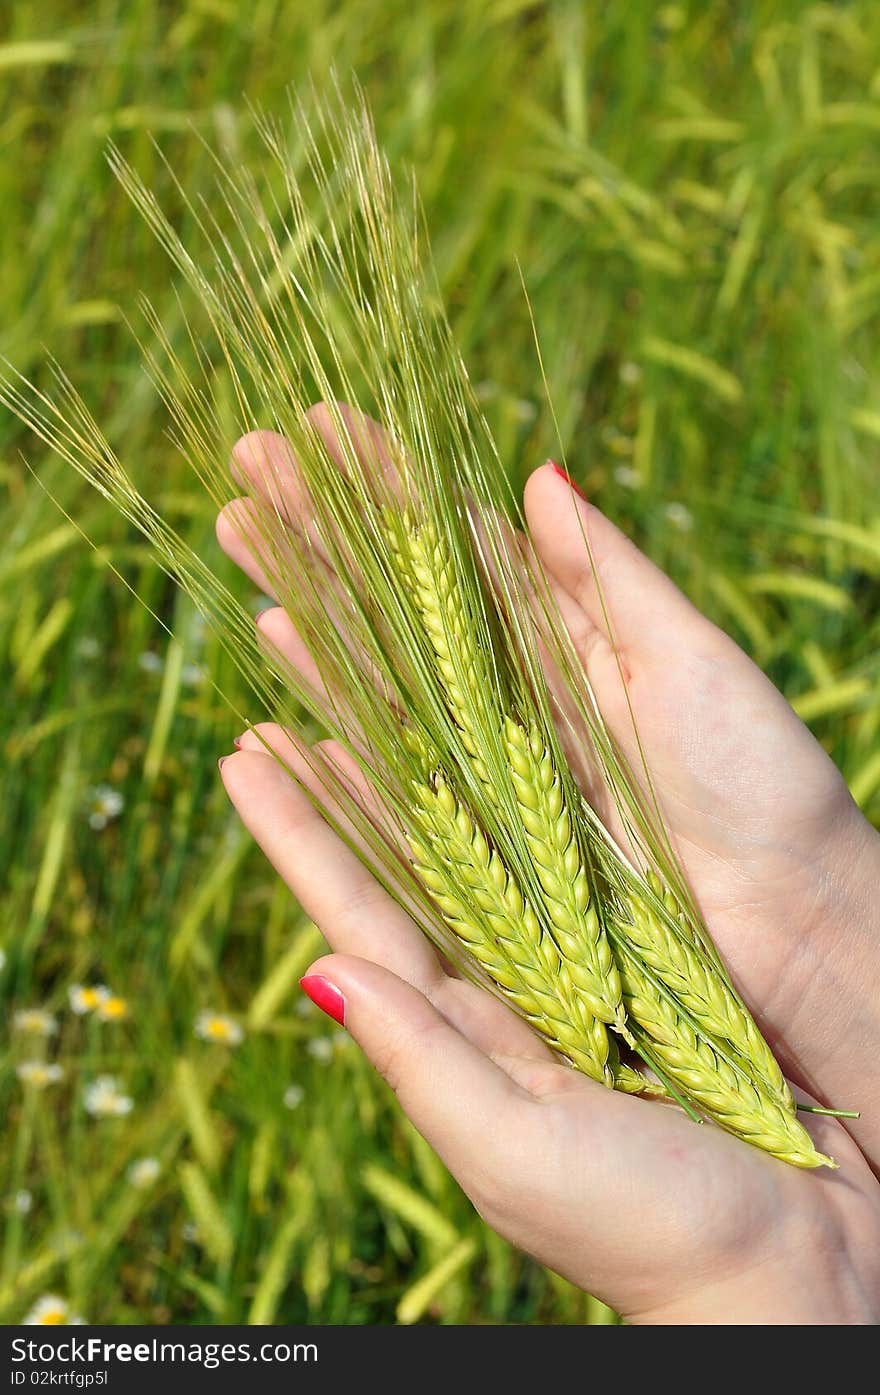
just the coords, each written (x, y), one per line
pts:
(324, 995)
(568, 480)
(260, 613)
(220, 762)
(237, 744)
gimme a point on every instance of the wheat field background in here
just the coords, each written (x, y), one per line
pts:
(693, 193)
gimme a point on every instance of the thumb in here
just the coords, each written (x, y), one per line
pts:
(459, 1100)
(576, 543)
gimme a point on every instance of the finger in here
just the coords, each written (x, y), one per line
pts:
(350, 434)
(342, 793)
(464, 1104)
(243, 540)
(263, 463)
(576, 543)
(263, 547)
(329, 772)
(355, 914)
(266, 463)
(278, 631)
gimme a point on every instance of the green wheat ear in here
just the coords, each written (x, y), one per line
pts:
(448, 628)
(709, 1001)
(569, 899)
(484, 906)
(740, 1105)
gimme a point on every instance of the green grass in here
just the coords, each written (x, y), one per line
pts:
(692, 194)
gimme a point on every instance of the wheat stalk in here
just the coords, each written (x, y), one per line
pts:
(553, 845)
(445, 621)
(483, 904)
(484, 907)
(708, 1000)
(738, 1104)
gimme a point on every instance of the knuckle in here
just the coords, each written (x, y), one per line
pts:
(364, 900)
(388, 1060)
(400, 1051)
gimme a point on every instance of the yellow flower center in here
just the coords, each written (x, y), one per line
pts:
(114, 1008)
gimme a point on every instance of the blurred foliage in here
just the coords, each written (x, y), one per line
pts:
(691, 192)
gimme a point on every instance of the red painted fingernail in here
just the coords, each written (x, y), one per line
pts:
(568, 480)
(324, 995)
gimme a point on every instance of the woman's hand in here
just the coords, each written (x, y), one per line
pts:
(665, 1220)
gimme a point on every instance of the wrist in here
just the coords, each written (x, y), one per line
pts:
(849, 872)
(839, 944)
(811, 1285)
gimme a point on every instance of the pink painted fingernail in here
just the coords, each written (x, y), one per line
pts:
(220, 762)
(237, 743)
(568, 480)
(324, 995)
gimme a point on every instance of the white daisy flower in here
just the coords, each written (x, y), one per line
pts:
(39, 1074)
(630, 373)
(22, 1202)
(143, 1172)
(628, 477)
(85, 998)
(105, 803)
(192, 676)
(51, 1311)
(87, 647)
(679, 516)
(294, 1096)
(218, 1027)
(320, 1049)
(524, 410)
(150, 662)
(36, 1021)
(104, 1100)
(111, 1008)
